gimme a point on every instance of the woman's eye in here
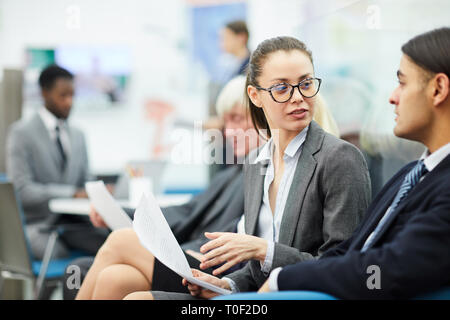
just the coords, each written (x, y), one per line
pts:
(281, 88)
(306, 85)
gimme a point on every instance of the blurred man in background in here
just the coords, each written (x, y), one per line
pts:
(47, 158)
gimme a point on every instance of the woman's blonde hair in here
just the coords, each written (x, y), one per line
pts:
(234, 92)
(323, 116)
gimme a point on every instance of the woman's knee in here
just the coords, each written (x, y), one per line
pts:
(117, 241)
(110, 284)
(119, 280)
(109, 277)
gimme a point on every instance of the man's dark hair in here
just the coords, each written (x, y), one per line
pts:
(50, 74)
(431, 50)
(238, 27)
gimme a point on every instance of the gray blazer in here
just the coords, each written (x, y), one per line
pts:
(328, 197)
(33, 164)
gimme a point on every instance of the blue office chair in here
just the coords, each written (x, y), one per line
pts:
(16, 260)
(442, 294)
(282, 295)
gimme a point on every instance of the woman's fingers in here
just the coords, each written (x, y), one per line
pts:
(213, 235)
(226, 266)
(215, 261)
(215, 253)
(212, 244)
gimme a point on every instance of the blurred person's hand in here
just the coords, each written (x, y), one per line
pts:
(80, 193)
(110, 188)
(96, 219)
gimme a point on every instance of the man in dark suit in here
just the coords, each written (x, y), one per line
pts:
(46, 159)
(401, 249)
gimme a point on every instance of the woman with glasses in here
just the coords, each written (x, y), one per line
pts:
(305, 190)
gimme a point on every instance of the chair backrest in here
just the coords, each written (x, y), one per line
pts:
(14, 249)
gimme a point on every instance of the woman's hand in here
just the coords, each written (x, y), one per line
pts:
(231, 248)
(201, 292)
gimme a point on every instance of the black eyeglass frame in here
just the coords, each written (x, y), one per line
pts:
(292, 90)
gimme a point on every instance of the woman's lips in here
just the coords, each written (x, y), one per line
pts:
(298, 113)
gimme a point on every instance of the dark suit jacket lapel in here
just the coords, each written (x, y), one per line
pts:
(404, 202)
(375, 218)
(303, 173)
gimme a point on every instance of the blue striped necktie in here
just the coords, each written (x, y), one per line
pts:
(411, 179)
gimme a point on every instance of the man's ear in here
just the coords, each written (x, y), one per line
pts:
(441, 88)
(253, 94)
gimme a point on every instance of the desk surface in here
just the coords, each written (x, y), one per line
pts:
(82, 206)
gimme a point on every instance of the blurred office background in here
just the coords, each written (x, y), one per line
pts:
(135, 58)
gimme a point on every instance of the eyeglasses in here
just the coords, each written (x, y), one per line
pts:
(282, 92)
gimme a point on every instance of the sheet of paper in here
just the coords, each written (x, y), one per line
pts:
(106, 206)
(156, 236)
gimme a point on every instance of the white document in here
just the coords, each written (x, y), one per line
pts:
(156, 236)
(107, 206)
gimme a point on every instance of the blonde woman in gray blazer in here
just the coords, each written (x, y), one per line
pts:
(305, 190)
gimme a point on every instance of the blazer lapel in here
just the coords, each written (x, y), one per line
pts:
(303, 173)
(404, 202)
(72, 155)
(51, 147)
(373, 221)
(254, 187)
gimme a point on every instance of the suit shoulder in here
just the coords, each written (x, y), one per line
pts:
(334, 146)
(22, 127)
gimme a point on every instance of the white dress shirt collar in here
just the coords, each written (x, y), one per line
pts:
(49, 119)
(50, 123)
(432, 160)
(290, 151)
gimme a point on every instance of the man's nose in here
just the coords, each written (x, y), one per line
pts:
(393, 99)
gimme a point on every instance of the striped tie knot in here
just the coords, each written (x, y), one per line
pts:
(411, 179)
